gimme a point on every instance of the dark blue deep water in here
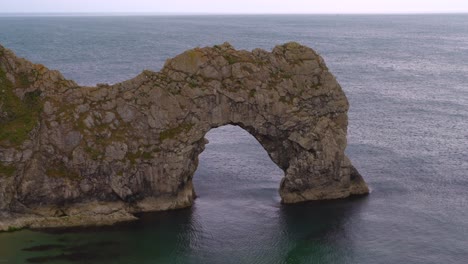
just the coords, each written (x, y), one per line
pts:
(407, 81)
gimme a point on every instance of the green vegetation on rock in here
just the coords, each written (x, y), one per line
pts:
(230, 59)
(22, 80)
(192, 83)
(173, 132)
(7, 170)
(17, 117)
(145, 155)
(61, 171)
(252, 93)
(14, 228)
(95, 154)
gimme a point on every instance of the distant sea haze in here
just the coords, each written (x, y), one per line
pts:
(405, 77)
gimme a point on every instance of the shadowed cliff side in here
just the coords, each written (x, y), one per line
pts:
(72, 155)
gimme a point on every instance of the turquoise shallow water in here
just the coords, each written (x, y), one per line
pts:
(406, 78)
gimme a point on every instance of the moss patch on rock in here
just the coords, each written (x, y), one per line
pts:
(143, 155)
(231, 59)
(14, 229)
(94, 153)
(173, 132)
(7, 170)
(22, 80)
(252, 93)
(61, 171)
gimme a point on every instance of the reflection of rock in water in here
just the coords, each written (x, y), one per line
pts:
(84, 252)
(100, 154)
(72, 257)
(44, 247)
(316, 229)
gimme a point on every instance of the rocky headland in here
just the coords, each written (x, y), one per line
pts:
(73, 155)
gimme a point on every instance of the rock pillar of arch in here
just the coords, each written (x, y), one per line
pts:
(105, 152)
(288, 100)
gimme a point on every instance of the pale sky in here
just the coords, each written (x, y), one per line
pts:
(236, 6)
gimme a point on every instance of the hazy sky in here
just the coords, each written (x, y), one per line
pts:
(237, 6)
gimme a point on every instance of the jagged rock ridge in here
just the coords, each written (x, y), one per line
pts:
(72, 155)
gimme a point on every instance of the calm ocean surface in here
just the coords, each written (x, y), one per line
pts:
(407, 81)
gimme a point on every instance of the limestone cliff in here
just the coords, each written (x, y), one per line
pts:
(72, 155)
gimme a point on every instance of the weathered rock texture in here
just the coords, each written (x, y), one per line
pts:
(72, 155)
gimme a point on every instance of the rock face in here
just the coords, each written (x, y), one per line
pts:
(72, 155)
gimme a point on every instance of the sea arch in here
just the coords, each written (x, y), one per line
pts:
(134, 146)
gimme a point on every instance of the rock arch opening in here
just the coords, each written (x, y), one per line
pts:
(234, 163)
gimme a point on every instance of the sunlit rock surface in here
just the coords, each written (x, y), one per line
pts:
(72, 155)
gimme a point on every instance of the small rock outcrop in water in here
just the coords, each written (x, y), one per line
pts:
(72, 155)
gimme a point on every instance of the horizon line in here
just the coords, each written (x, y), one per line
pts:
(96, 13)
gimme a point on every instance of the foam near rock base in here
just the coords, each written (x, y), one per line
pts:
(134, 146)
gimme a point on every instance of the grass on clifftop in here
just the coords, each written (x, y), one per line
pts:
(17, 117)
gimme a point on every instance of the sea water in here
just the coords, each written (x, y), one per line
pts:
(406, 77)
